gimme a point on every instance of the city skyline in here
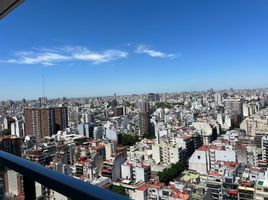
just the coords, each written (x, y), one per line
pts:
(112, 95)
(132, 47)
(134, 99)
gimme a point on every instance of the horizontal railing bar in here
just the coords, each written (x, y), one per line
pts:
(66, 185)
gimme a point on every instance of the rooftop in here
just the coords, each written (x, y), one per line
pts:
(214, 173)
(208, 147)
(142, 188)
(232, 165)
(189, 176)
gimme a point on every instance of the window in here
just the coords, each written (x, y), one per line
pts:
(165, 193)
(228, 180)
(198, 157)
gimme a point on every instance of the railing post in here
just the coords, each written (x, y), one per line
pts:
(61, 183)
(29, 188)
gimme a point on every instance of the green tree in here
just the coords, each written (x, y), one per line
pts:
(119, 190)
(127, 104)
(169, 174)
(163, 105)
(128, 139)
(178, 104)
(5, 132)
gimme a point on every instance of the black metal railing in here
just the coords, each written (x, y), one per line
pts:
(65, 185)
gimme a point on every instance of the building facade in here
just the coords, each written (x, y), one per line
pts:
(42, 122)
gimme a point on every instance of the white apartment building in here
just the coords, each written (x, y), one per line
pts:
(166, 153)
(135, 171)
(264, 145)
(206, 157)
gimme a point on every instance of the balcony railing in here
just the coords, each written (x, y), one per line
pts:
(61, 183)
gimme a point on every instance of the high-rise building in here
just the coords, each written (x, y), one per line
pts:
(118, 111)
(86, 130)
(153, 97)
(11, 144)
(43, 100)
(13, 184)
(218, 98)
(39, 122)
(167, 153)
(17, 127)
(114, 103)
(7, 122)
(143, 106)
(234, 105)
(87, 118)
(61, 118)
(144, 124)
(264, 147)
(43, 122)
(146, 107)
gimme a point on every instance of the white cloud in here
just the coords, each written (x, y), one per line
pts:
(72, 54)
(143, 49)
(45, 56)
(102, 57)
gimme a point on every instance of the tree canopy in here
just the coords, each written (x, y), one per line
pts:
(128, 139)
(163, 105)
(5, 132)
(119, 190)
(128, 104)
(169, 174)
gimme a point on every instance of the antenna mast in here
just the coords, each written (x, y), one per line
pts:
(43, 78)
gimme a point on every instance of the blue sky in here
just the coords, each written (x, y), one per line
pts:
(100, 47)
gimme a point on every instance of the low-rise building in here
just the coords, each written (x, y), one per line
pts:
(135, 171)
